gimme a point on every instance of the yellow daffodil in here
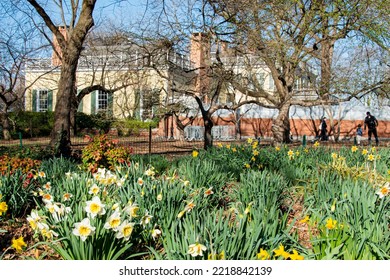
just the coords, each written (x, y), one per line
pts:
(255, 152)
(3, 207)
(354, 149)
(234, 150)
(195, 153)
(281, 252)
(83, 229)
(277, 148)
(220, 256)
(316, 144)
(249, 140)
(18, 244)
(253, 159)
(219, 145)
(296, 256)
(263, 255)
(364, 152)
(306, 150)
(297, 153)
(290, 153)
(228, 146)
(330, 223)
(371, 157)
(334, 155)
(181, 213)
(305, 220)
(247, 165)
(373, 149)
(196, 249)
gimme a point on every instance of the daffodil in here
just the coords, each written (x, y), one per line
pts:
(296, 256)
(234, 150)
(195, 153)
(150, 172)
(384, 190)
(277, 148)
(131, 209)
(159, 197)
(47, 186)
(47, 198)
(125, 230)
(255, 152)
(140, 181)
(290, 153)
(41, 174)
(354, 149)
(316, 144)
(305, 220)
(95, 207)
(155, 233)
(281, 252)
(208, 192)
(18, 244)
(83, 229)
(66, 196)
(263, 255)
(364, 152)
(113, 221)
(334, 155)
(371, 157)
(330, 223)
(94, 189)
(3, 207)
(34, 219)
(249, 140)
(145, 219)
(247, 165)
(196, 249)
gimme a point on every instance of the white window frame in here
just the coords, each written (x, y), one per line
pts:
(98, 99)
(40, 99)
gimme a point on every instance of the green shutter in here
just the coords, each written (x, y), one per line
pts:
(50, 100)
(34, 100)
(93, 102)
(137, 109)
(110, 104)
(80, 108)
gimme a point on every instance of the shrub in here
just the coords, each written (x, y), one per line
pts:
(31, 124)
(8, 165)
(102, 152)
(99, 122)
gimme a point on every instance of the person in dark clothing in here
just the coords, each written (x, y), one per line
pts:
(371, 123)
(323, 136)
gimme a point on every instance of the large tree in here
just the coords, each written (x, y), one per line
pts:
(77, 20)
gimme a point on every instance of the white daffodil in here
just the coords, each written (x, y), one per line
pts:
(95, 207)
(113, 221)
(155, 233)
(146, 219)
(83, 229)
(47, 198)
(131, 209)
(125, 230)
(196, 249)
(384, 190)
(34, 220)
(140, 181)
(94, 189)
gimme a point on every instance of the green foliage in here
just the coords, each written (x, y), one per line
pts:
(95, 122)
(128, 127)
(31, 124)
(102, 152)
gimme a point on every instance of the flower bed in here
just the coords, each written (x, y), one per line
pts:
(233, 202)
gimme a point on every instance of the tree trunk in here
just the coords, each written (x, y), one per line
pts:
(60, 136)
(5, 123)
(208, 138)
(281, 125)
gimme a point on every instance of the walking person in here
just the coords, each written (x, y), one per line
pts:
(371, 123)
(323, 126)
(359, 134)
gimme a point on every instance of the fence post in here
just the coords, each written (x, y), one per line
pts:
(304, 140)
(354, 141)
(20, 139)
(150, 140)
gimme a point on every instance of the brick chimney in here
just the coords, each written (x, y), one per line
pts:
(200, 59)
(55, 59)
